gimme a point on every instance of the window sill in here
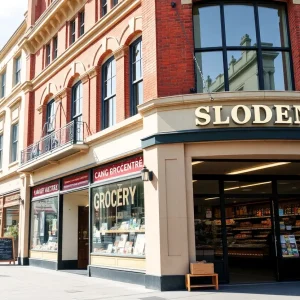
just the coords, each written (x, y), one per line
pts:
(16, 86)
(15, 163)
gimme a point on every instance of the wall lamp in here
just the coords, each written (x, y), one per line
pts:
(146, 174)
(21, 201)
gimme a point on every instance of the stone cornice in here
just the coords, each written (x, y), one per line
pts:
(222, 98)
(49, 23)
(103, 25)
(121, 52)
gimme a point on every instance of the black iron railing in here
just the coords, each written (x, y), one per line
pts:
(73, 133)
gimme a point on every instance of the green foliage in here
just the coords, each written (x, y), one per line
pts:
(12, 231)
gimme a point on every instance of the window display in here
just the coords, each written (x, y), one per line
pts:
(44, 225)
(119, 219)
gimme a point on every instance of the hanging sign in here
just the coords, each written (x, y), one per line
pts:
(7, 250)
(46, 189)
(122, 168)
(75, 181)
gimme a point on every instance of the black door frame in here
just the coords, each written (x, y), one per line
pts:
(273, 198)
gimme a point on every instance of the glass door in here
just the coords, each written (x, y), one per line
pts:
(288, 229)
(251, 243)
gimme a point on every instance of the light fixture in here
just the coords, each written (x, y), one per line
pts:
(195, 181)
(212, 198)
(146, 174)
(197, 162)
(258, 168)
(21, 201)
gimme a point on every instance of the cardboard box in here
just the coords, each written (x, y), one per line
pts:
(200, 268)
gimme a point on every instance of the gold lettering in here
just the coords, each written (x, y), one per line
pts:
(125, 196)
(297, 114)
(102, 200)
(282, 114)
(132, 193)
(258, 111)
(218, 117)
(246, 111)
(202, 115)
(96, 201)
(114, 199)
(119, 197)
(107, 199)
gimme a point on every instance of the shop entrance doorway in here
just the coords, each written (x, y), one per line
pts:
(83, 237)
(75, 231)
(248, 225)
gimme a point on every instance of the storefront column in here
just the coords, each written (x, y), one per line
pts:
(167, 253)
(24, 219)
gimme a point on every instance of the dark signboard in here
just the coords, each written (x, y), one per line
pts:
(7, 249)
(125, 167)
(75, 181)
(46, 189)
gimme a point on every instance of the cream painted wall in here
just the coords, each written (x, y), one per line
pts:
(166, 212)
(71, 203)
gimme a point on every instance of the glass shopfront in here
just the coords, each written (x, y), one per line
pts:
(248, 227)
(118, 219)
(44, 225)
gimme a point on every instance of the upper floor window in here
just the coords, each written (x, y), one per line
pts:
(50, 116)
(14, 142)
(55, 47)
(48, 54)
(81, 23)
(72, 31)
(114, 2)
(103, 7)
(18, 70)
(242, 46)
(3, 84)
(136, 60)
(77, 102)
(1, 150)
(109, 92)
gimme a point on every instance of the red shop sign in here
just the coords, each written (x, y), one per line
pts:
(122, 168)
(75, 181)
(45, 189)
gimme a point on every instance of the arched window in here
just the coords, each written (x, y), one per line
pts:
(109, 92)
(77, 99)
(50, 116)
(242, 45)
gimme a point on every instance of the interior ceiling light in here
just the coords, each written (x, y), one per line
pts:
(258, 168)
(196, 162)
(195, 180)
(213, 198)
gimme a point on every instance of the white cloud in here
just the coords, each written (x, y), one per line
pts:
(11, 16)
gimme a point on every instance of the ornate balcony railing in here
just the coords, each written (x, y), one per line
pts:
(73, 133)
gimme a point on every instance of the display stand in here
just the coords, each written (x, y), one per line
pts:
(7, 250)
(215, 281)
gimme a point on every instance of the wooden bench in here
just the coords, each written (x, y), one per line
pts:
(214, 277)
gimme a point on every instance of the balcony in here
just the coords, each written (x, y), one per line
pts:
(55, 146)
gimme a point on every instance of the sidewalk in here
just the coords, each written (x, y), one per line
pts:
(28, 283)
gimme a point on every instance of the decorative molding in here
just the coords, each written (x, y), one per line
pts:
(93, 72)
(121, 52)
(40, 108)
(186, 1)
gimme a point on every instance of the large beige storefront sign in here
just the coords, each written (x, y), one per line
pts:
(258, 114)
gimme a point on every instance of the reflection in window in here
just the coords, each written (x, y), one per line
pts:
(119, 218)
(252, 62)
(44, 225)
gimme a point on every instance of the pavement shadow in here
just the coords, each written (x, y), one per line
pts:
(276, 289)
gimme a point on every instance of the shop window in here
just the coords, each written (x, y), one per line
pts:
(242, 44)
(18, 70)
(136, 55)
(14, 142)
(44, 225)
(1, 150)
(11, 220)
(81, 23)
(3, 84)
(72, 31)
(119, 219)
(55, 47)
(109, 93)
(103, 7)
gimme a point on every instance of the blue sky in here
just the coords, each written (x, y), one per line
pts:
(11, 16)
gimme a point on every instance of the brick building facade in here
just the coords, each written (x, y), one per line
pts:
(190, 90)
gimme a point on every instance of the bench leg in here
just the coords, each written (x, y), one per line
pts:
(188, 282)
(217, 282)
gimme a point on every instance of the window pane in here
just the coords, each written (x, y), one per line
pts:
(207, 27)
(288, 187)
(211, 65)
(239, 187)
(126, 216)
(240, 25)
(273, 27)
(44, 225)
(242, 70)
(277, 72)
